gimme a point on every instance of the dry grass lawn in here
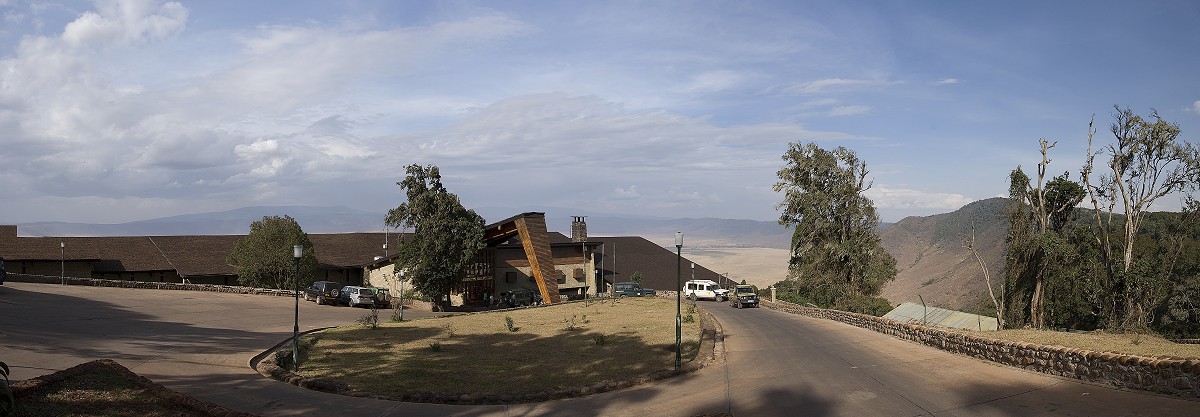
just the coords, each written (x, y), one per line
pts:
(565, 345)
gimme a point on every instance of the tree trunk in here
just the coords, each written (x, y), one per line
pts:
(1035, 305)
(988, 280)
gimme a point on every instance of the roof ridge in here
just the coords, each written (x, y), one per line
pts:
(168, 258)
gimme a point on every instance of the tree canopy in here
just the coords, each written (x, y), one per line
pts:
(445, 238)
(837, 259)
(1125, 268)
(264, 257)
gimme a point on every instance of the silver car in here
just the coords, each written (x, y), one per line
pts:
(357, 296)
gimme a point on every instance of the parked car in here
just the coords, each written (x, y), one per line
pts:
(323, 292)
(520, 297)
(383, 297)
(631, 289)
(743, 296)
(355, 296)
(704, 289)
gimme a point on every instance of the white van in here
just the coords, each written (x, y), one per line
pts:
(704, 289)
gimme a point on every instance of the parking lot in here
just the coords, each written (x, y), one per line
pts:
(192, 341)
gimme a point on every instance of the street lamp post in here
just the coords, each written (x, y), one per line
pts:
(678, 291)
(297, 252)
(401, 315)
(62, 262)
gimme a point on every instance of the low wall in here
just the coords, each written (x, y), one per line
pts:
(43, 279)
(1174, 376)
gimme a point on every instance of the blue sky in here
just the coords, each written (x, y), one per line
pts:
(114, 111)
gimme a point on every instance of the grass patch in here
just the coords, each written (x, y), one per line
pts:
(1126, 343)
(478, 354)
(105, 388)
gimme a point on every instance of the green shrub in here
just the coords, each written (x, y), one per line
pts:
(370, 320)
(875, 306)
(570, 324)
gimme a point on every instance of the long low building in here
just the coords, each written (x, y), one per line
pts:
(569, 266)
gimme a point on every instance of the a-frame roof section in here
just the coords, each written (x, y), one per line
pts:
(499, 232)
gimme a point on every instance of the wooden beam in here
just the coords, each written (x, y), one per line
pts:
(536, 242)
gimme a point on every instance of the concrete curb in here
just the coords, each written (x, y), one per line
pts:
(178, 286)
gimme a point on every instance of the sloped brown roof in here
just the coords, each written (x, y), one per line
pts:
(194, 256)
(656, 263)
(189, 255)
(206, 254)
(352, 249)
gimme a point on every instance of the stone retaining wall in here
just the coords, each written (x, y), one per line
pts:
(43, 279)
(1174, 376)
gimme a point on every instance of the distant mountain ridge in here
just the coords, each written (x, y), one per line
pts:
(231, 222)
(706, 232)
(932, 260)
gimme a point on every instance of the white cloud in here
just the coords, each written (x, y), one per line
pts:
(626, 193)
(1196, 107)
(824, 85)
(713, 81)
(123, 22)
(947, 81)
(902, 198)
(13, 16)
(829, 107)
(848, 110)
(313, 63)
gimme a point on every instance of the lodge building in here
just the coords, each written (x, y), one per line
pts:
(519, 253)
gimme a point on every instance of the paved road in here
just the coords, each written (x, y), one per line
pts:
(777, 364)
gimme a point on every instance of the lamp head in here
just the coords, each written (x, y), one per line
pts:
(297, 251)
(679, 239)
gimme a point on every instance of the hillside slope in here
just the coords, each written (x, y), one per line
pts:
(932, 259)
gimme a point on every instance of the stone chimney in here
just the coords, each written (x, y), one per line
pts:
(578, 229)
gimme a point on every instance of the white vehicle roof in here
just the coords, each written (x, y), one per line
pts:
(702, 281)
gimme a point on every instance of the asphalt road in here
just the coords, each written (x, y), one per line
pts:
(776, 364)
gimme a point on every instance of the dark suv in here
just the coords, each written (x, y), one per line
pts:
(323, 292)
(520, 297)
(631, 289)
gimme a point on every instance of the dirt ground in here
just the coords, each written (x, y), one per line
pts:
(758, 266)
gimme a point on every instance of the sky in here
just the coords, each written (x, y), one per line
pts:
(122, 110)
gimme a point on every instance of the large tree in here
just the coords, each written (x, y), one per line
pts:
(837, 259)
(1035, 248)
(264, 258)
(1147, 162)
(446, 235)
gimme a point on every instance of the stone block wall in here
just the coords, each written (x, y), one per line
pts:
(1174, 376)
(43, 279)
